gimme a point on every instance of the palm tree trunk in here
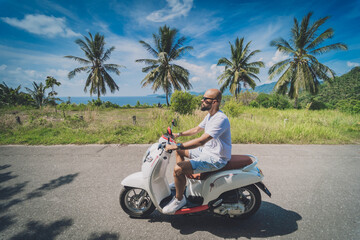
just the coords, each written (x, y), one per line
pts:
(167, 99)
(296, 102)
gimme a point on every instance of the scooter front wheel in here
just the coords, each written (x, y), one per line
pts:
(136, 202)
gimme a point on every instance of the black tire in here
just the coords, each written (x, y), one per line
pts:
(251, 197)
(128, 202)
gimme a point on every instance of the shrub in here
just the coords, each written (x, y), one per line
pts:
(247, 97)
(350, 106)
(317, 105)
(183, 102)
(254, 104)
(264, 100)
(232, 108)
(273, 100)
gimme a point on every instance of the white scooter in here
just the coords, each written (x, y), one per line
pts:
(231, 191)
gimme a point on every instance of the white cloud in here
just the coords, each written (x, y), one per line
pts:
(352, 64)
(173, 9)
(201, 73)
(201, 25)
(3, 67)
(42, 25)
(277, 58)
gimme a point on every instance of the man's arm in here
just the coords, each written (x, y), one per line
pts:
(191, 132)
(191, 144)
(197, 142)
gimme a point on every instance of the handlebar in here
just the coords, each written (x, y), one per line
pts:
(162, 146)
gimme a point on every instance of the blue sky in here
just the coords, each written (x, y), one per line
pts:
(37, 34)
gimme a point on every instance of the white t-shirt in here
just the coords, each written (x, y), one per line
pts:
(217, 126)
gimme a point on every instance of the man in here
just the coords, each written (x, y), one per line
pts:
(214, 155)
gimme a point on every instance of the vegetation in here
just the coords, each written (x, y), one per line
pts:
(239, 70)
(162, 73)
(109, 125)
(26, 118)
(13, 97)
(302, 70)
(38, 93)
(343, 94)
(184, 102)
(96, 55)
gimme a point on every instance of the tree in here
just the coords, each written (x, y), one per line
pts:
(9, 95)
(96, 55)
(38, 93)
(239, 70)
(302, 70)
(161, 72)
(50, 82)
(13, 96)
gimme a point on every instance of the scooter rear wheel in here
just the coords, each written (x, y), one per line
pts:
(136, 202)
(251, 197)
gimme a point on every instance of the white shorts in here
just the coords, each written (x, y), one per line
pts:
(202, 162)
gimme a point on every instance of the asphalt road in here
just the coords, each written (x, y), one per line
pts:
(72, 192)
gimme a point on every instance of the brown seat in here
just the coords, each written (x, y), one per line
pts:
(236, 162)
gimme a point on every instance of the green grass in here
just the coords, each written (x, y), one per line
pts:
(253, 125)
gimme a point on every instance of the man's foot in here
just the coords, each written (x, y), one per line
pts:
(174, 205)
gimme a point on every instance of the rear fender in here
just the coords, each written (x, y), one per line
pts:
(263, 188)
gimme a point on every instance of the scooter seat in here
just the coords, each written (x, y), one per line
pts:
(236, 162)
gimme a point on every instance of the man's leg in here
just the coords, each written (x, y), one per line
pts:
(181, 154)
(179, 178)
(181, 169)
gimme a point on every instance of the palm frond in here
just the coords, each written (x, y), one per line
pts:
(325, 49)
(80, 60)
(149, 48)
(327, 34)
(278, 68)
(224, 62)
(72, 73)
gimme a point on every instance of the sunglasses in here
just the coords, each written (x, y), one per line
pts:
(206, 98)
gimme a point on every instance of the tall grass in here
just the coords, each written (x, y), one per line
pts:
(251, 125)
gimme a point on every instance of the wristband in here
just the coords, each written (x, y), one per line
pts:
(180, 146)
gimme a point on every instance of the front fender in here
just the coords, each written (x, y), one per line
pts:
(135, 180)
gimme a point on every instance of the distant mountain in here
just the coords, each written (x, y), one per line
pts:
(265, 88)
(156, 95)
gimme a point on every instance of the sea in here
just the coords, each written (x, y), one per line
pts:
(121, 101)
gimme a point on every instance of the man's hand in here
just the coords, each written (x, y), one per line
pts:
(170, 147)
(176, 135)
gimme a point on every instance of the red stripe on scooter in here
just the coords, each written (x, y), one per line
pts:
(192, 210)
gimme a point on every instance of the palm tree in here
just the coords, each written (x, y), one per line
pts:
(96, 55)
(50, 82)
(239, 70)
(161, 72)
(38, 93)
(9, 95)
(302, 71)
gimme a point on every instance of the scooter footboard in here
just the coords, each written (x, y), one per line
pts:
(225, 181)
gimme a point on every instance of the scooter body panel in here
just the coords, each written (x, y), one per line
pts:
(158, 184)
(218, 183)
